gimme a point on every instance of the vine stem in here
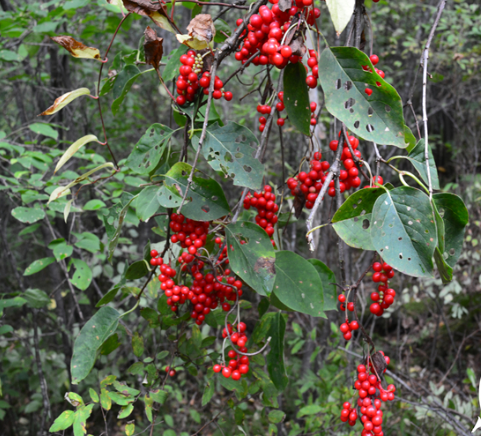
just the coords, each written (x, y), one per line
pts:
(424, 62)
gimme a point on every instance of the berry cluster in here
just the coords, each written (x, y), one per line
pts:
(385, 295)
(348, 327)
(191, 79)
(172, 372)
(349, 176)
(265, 203)
(311, 80)
(266, 32)
(238, 364)
(374, 59)
(190, 233)
(371, 397)
(310, 184)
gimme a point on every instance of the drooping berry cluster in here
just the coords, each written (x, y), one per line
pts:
(385, 295)
(238, 364)
(311, 79)
(310, 184)
(190, 233)
(371, 397)
(266, 34)
(191, 79)
(349, 176)
(374, 59)
(265, 203)
(347, 328)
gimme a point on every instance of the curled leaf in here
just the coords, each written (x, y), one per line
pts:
(58, 192)
(154, 11)
(64, 100)
(201, 32)
(73, 149)
(153, 47)
(76, 48)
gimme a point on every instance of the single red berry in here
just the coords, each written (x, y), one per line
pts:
(374, 59)
(226, 372)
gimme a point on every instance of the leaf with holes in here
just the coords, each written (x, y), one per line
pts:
(82, 276)
(296, 97)
(253, 261)
(205, 200)
(328, 280)
(353, 219)
(377, 117)
(403, 231)
(297, 284)
(416, 157)
(149, 150)
(93, 334)
(228, 149)
(454, 215)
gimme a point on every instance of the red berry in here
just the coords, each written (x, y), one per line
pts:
(226, 372)
(374, 59)
(228, 95)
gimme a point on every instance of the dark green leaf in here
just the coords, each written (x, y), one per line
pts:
(36, 298)
(151, 316)
(111, 344)
(275, 357)
(228, 149)
(276, 416)
(221, 26)
(296, 97)
(159, 396)
(93, 334)
(328, 280)
(38, 265)
(173, 64)
(253, 261)
(378, 117)
(147, 203)
(403, 231)
(123, 82)
(416, 157)
(208, 392)
(137, 270)
(297, 284)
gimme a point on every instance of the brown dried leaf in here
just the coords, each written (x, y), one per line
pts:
(284, 5)
(202, 27)
(64, 100)
(379, 363)
(153, 47)
(299, 201)
(297, 46)
(76, 48)
(146, 8)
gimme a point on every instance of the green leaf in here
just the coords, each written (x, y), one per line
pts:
(82, 276)
(64, 421)
(43, 129)
(296, 97)
(93, 334)
(138, 344)
(352, 220)
(110, 345)
(28, 214)
(416, 157)
(61, 249)
(147, 204)
(93, 395)
(125, 411)
(80, 421)
(38, 265)
(123, 82)
(29, 229)
(276, 416)
(445, 271)
(253, 261)
(36, 298)
(205, 200)
(105, 400)
(87, 241)
(312, 409)
(74, 399)
(454, 214)
(297, 284)
(328, 280)
(137, 270)
(76, 146)
(275, 357)
(94, 205)
(151, 316)
(172, 67)
(148, 407)
(378, 117)
(228, 149)
(221, 26)
(208, 392)
(4, 329)
(341, 12)
(403, 231)
(149, 149)
(158, 395)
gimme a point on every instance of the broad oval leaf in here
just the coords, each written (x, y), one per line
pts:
(378, 117)
(341, 12)
(352, 220)
(73, 149)
(36, 298)
(296, 97)
(416, 157)
(403, 231)
(137, 270)
(297, 284)
(228, 149)
(93, 334)
(76, 48)
(82, 276)
(328, 280)
(146, 204)
(253, 261)
(205, 200)
(64, 100)
(38, 265)
(64, 421)
(123, 82)
(28, 215)
(43, 129)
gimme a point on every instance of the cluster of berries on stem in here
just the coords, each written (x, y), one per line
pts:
(385, 295)
(265, 203)
(374, 59)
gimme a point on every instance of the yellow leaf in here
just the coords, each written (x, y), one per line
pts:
(341, 12)
(76, 48)
(64, 100)
(192, 42)
(73, 149)
(58, 192)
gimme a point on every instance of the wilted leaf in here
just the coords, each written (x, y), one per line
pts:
(153, 47)
(76, 48)
(201, 32)
(64, 100)
(146, 8)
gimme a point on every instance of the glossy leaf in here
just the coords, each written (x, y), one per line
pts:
(328, 280)
(76, 48)
(28, 214)
(93, 334)
(352, 220)
(149, 149)
(64, 100)
(275, 357)
(297, 284)
(73, 149)
(403, 231)
(341, 12)
(228, 149)
(296, 97)
(38, 265)
(137, 270)
(205, 200)
(378, 117)
(82, 276)
(253, 261)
